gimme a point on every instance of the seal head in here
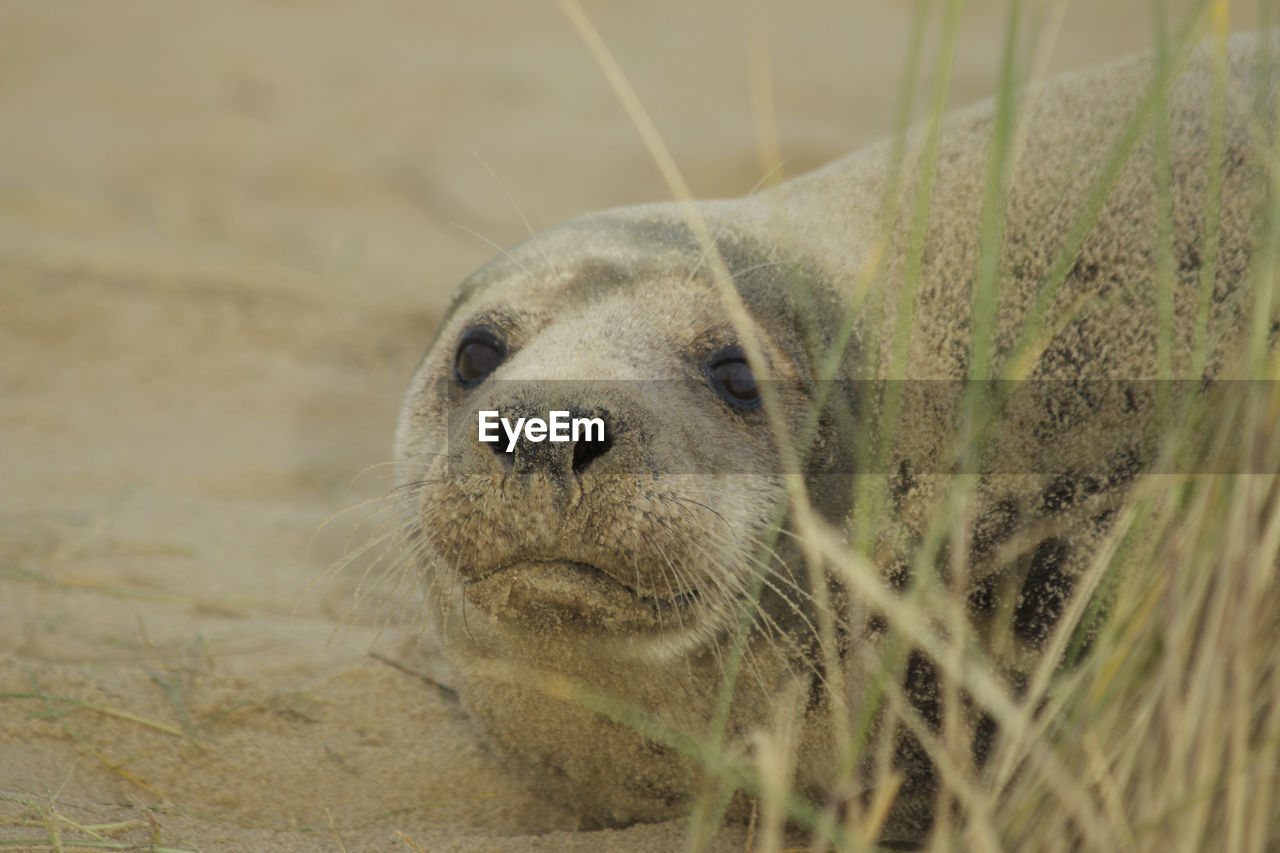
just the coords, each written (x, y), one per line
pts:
(617, 569)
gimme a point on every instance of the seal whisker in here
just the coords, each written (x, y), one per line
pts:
(787, 582)
(759, 617)
(764, 179)
(680, 589)
(533, 235)
(764, 265)
(693, 271)
(805, 601)
(493, 245)
(635, 567)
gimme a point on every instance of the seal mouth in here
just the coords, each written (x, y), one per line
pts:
(555, 591)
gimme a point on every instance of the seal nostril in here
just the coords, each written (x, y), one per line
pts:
(506, 458)
(585, 452)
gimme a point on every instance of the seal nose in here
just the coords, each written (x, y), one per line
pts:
(587, 451)
(536, 450)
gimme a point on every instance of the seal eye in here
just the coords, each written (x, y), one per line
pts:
(734, 380)
(478, 355)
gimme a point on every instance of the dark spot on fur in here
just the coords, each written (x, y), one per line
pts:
(1025, 267)
(1103, 520)
(899, 575)
(1108, 286)
(901, 482)
(983, 734)
(993, 528)
(1018, 682)
(1131, 404)
(817, 684)
(1084, 272)
(1060, 493)
(982, 597)
(960, 351)
(1190, 260)
(942, 563)
(920, 684)
(1067, 403)
(1044, 592)
(1123, 465)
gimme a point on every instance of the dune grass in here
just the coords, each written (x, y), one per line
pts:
(1151, 720)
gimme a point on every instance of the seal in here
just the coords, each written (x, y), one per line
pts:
(623, 610)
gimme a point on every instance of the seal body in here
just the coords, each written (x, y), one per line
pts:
(612, 606)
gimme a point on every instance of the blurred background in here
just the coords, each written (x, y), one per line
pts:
(351, 148)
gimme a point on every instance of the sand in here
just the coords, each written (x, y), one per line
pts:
(226, 231)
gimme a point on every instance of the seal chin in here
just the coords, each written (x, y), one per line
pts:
(542, 593)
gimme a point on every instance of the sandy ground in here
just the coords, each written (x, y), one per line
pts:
(225, 232)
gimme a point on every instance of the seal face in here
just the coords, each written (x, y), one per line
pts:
(622, 563)
(592, 592)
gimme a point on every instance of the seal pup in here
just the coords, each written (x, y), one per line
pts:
(593, 595)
